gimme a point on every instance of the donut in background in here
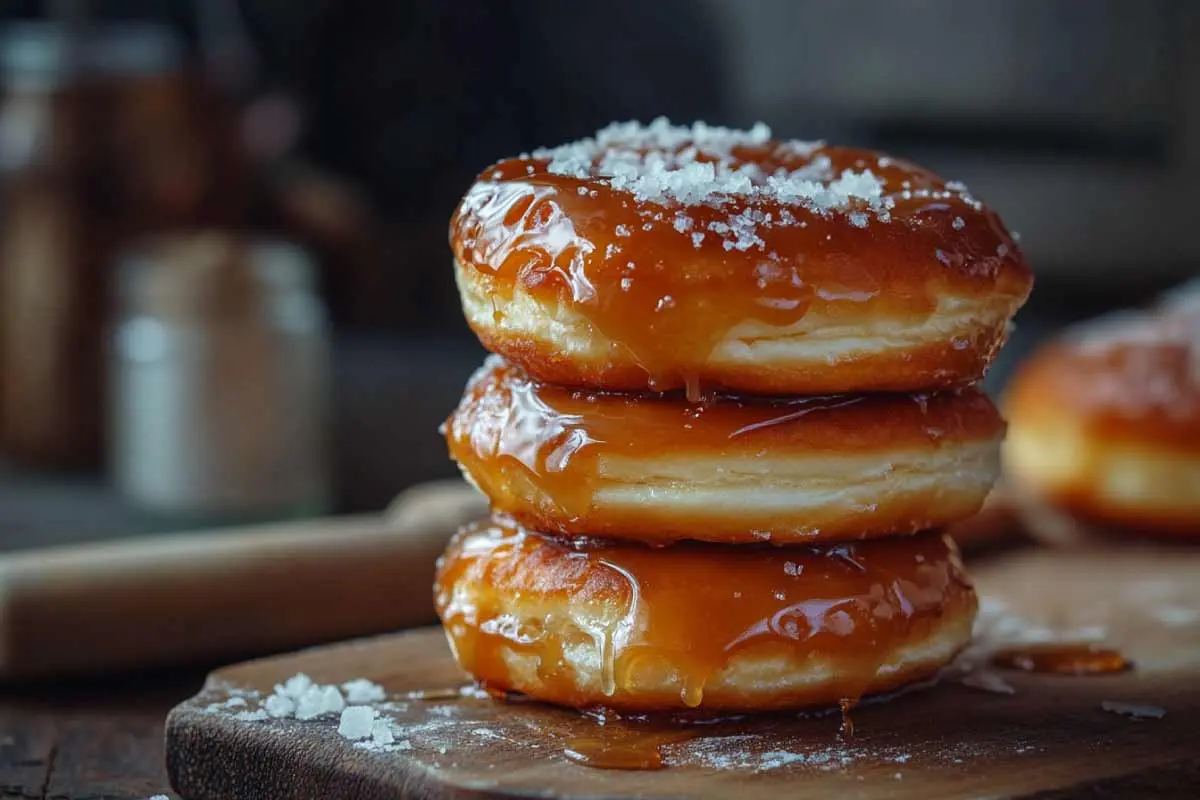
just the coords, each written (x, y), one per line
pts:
(1104, 422)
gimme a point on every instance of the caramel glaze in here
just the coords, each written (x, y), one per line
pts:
(540, 453)
(666, 623)
(665, 301)
(1121, 388)
(627, 748)
(1141, 390)
(1063, 659)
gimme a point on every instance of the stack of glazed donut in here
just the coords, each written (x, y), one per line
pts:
(731, 410)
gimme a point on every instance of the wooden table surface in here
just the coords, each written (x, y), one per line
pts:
(89, 741)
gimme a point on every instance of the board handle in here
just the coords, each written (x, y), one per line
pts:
(217, 595)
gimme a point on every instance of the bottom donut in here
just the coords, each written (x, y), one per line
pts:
(724, 629)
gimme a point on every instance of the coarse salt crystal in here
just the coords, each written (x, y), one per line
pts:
(622, 230)
(780, 758)
(280, 706)
(294, 686)
(361, 690)
(703, 164)
(988, 682)
(318, 701)
(251, 716)
(356, 722)
(697, 239)
(958, 224)
(381, 733)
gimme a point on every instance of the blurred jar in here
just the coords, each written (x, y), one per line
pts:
(219, 403)
(106, 134)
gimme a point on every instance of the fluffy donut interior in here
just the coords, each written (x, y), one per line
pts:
(815, 338)
(1060, 457)
(795, 482)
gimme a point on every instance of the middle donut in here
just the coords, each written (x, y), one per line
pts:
(657, 469)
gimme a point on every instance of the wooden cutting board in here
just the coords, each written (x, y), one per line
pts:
(1050, 737)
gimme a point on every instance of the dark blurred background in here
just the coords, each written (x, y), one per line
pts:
(216, 214)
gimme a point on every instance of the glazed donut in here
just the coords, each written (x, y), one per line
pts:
(658, 469)
(661, 257)
(1105, 422)
(696, 626)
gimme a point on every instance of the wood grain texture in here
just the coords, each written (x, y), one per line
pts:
(1050, 738)
(84, 741)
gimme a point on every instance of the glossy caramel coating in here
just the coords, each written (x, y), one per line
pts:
(1105, 422)
(658, 469)
(906, 286)
(700, 626)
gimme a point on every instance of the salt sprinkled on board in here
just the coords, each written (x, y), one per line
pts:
(294, 686)
(361, 690)
(357, 722)
(780, 758)
(280, 706)
(381, 733)
(989, 682)
(299, 697)
(319, 700)
(252, 716)
(1133, 710)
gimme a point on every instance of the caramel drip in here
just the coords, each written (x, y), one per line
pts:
(626, 748)
(643, 274)
(1063, 659)
(846, 706)
(516, 436)
(688, 610)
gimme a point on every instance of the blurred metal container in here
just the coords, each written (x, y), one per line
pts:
(219, 403)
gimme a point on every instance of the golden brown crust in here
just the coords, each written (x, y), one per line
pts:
(700, 626)
(672, 287)
(658, 469)
(1106, 422)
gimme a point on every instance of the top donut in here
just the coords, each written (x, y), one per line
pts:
(666, 257)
